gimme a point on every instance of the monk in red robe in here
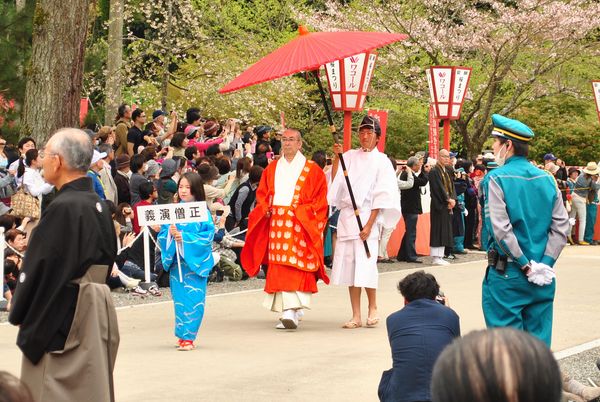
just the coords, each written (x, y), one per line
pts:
(285, 231)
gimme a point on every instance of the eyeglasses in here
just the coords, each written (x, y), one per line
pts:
(3, 143)
(43, 154)
(289, 139)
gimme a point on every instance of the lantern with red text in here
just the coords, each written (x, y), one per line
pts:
(447, 90)
(349, 81)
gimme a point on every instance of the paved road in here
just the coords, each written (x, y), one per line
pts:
(241, 356)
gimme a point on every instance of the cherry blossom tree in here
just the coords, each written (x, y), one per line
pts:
(519, 50)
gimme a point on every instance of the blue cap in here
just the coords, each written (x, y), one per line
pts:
(453, 154)
(510, 129)
(157, 113)
(550, 157)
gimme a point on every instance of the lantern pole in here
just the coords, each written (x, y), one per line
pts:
(347, 127)
(347, 130)
(446, 123)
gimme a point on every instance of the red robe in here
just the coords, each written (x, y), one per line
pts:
(311, 212)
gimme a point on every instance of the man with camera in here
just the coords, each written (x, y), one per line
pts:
(528, 227)
(410, 201)
(417, 333)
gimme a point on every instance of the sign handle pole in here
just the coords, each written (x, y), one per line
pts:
(178, 261)
(146, 254)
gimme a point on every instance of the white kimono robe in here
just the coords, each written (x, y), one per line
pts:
(375, 186)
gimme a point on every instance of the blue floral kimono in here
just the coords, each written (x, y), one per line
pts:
(189, 292)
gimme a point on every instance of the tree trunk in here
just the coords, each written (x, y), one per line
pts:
(114, 61)
(166, 59)
(55, 73)
(20, 5)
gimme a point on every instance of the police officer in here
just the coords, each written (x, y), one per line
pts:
(528, 225)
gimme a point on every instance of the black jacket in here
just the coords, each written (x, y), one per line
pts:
(410, 200)
(74, 232)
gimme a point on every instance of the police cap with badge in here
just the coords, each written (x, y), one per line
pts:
(511, 129)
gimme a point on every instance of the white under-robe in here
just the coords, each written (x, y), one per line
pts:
(374, 186)
(286, 178)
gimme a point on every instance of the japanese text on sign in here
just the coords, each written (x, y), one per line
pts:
(172, 213)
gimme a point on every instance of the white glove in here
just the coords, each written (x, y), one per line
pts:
(540, 274)
(466, 212)
(572, 221)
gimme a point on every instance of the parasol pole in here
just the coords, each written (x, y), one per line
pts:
(341, 158)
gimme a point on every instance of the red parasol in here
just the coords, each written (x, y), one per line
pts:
(309, 51)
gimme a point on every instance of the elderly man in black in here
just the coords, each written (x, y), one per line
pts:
(443, 200)
(410, 201)
(68, 326)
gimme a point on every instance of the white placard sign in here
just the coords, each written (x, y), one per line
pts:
(166, 214)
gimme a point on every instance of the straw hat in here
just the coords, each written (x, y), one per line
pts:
(592, 168)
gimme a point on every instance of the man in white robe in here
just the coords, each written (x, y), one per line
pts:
(375, 189)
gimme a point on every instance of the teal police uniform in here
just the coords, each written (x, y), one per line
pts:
(526, 221)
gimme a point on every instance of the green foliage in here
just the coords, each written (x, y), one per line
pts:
(15, 48)
(565, 126)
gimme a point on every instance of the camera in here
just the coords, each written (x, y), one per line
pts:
(441, 298)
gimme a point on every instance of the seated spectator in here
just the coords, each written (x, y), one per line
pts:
(131, 260)
(10, 222)
(497, 365)
(24, 145)
(214, 152)
(122, 179)
(148, 195)
(191, 154)
(17, 240)
(181, 168)
(94, 173)
(118, 279)
(242, 170)
(152, 166)
(261, 160)
(106, 173)
(138, 168)
(243, 200)
(28, 174)
(417, 333)
(124, 216)
(178, 145)
(209, 174)
(223, 164)
(166, 187)
(228, 249)
(11, 270)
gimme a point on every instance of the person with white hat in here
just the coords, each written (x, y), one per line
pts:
(94, 173)
(586, 185)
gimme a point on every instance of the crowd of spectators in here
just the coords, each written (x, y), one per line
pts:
(138, 161)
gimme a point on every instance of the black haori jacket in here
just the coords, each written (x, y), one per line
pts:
(74, 232)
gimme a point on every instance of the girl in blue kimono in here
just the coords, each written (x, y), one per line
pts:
(194, 242)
